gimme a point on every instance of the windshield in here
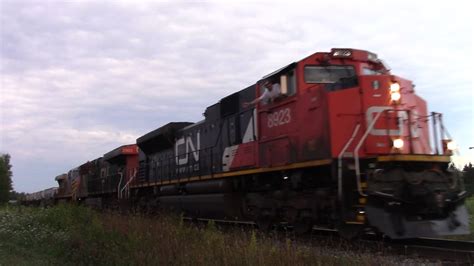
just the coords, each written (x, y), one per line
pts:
(327, 74)
(369, 71)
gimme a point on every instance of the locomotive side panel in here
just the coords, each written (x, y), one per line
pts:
(74, 180)
(315, 135)
(278, 140)
(188, 150)
(344, 114)
(239, 132)
(94, 181)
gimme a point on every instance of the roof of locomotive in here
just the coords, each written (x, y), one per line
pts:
(61, 177)
(122, 150)
(160, 138)
(358, 54)
(193, 125)
(276, 72)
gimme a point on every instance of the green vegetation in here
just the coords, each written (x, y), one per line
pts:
(5, 178)
(34, 236)
(470, 209)
(468, 174)
(71, 235)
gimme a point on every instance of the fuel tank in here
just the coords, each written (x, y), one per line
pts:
(217, 206)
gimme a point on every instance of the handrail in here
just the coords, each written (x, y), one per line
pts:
(339, 160)
(127, 185)
(118, 187)
(356, 152)
(435, 132)
(445, 132)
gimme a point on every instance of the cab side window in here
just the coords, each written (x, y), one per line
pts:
(284, 85)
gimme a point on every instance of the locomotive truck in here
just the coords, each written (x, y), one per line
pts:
(346, 145)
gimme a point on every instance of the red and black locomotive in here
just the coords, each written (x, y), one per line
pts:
(345, 145)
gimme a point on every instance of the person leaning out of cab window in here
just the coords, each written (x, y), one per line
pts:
(271, 92)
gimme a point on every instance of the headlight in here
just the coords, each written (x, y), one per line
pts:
(395, 92)
(451, 145)
(394, 87)
(395, 96)
(398, 143)
(341, 53)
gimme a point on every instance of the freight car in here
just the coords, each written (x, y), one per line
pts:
(42, 198)
(345, 144)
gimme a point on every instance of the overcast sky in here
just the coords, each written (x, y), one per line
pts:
(80, 78)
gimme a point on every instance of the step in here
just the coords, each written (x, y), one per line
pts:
(354, 222)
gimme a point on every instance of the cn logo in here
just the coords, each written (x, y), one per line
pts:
(402, 119)
(189, 148)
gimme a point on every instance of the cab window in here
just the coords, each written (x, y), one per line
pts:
(327, 74)
(334, 77)
(368, 71)
(284, 85)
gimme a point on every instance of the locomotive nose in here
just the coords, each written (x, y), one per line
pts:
(428, 189)
(420, 203)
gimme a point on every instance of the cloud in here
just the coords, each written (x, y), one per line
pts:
(79, 79)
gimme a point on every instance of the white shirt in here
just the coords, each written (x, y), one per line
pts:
(268, 95)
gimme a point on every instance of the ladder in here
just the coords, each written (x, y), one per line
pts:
(361, 185)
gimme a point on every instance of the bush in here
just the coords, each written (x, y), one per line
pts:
(53, 235)
(80, 236)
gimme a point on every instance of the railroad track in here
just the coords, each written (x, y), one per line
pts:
(432, 249)
(441, 249)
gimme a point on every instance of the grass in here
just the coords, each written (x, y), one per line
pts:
(36, 236)
(72, 235)
(470, 210)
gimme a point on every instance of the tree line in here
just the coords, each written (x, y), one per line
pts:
(468, 174)
(6, 184)
(5, 178)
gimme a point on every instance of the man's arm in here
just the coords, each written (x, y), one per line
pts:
(256, 100)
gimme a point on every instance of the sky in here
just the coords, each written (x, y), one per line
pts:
(80, 78)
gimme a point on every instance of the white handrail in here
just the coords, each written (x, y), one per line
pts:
(356, 152)
(126, 187)
(339, 161)
(444, 131)
(118, 187)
